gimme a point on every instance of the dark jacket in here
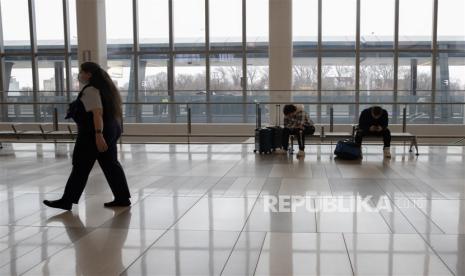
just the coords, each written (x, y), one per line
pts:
(366, 120)
(85, 121)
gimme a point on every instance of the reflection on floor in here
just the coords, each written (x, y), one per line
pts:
(222, 210)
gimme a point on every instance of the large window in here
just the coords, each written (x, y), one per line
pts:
(174, 61)
(35, 74)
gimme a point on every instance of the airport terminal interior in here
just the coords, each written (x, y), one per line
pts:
(205, 85)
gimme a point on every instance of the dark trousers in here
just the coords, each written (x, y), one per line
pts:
(385, 133)
(296, 132)
(84, 155)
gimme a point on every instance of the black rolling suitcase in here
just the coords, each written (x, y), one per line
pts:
(263, 136)
(263, 140)
(277, 130)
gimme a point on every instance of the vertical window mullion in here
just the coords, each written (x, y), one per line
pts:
(395, 108)
(3, 84)
(357, 63)
(434, 59)
(67, 53)
(207, 60)
(135, 58)
(244, 60)
(319, 65)
(171, 107)
(34, 63)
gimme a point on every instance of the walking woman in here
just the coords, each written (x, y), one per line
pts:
(97, 113)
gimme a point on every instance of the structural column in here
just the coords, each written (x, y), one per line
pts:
(90, 15)
(280, 53)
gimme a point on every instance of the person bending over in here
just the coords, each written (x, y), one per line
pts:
(374, 121)
(296, 122)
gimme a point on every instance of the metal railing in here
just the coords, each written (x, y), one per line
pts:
(242, 112)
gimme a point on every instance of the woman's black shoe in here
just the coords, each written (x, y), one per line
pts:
(59, 204)
(118, 203)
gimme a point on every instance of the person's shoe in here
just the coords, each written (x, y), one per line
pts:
(118, 203)
(281, 151)
(301, 153)
(59, 204)
(387, 152)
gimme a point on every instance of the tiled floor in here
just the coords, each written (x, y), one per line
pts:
(222, 210)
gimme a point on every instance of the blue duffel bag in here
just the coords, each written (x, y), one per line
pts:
(347, 150)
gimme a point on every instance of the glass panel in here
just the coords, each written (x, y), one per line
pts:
(189, 78)
(377, 79)
(120, 70)
(52, 85)
(52, 74)
(258, 76)
(153, 70)
(15, 24)
(74, 72)
(189, 85)
(49, 24)
(305, 73)
(415, 23)
(119, 25)
(226, 24)
(72, 23)
(258, 83)
(451, 24)
(304, 23)
(338, 84)
(377, 23)
(377, 71)
(414, 84)
(153, 24)
(305, 77)
(257, 24)
(339, 23)
(189, 23)
(225, 84)
(226, 73)
(450, 85)
(19, 72)
(338, 71)
(19, 89)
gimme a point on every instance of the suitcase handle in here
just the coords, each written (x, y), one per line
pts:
(278, 115)
(258, 115)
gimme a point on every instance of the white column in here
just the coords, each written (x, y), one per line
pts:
(91, 29)
(280, 53)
